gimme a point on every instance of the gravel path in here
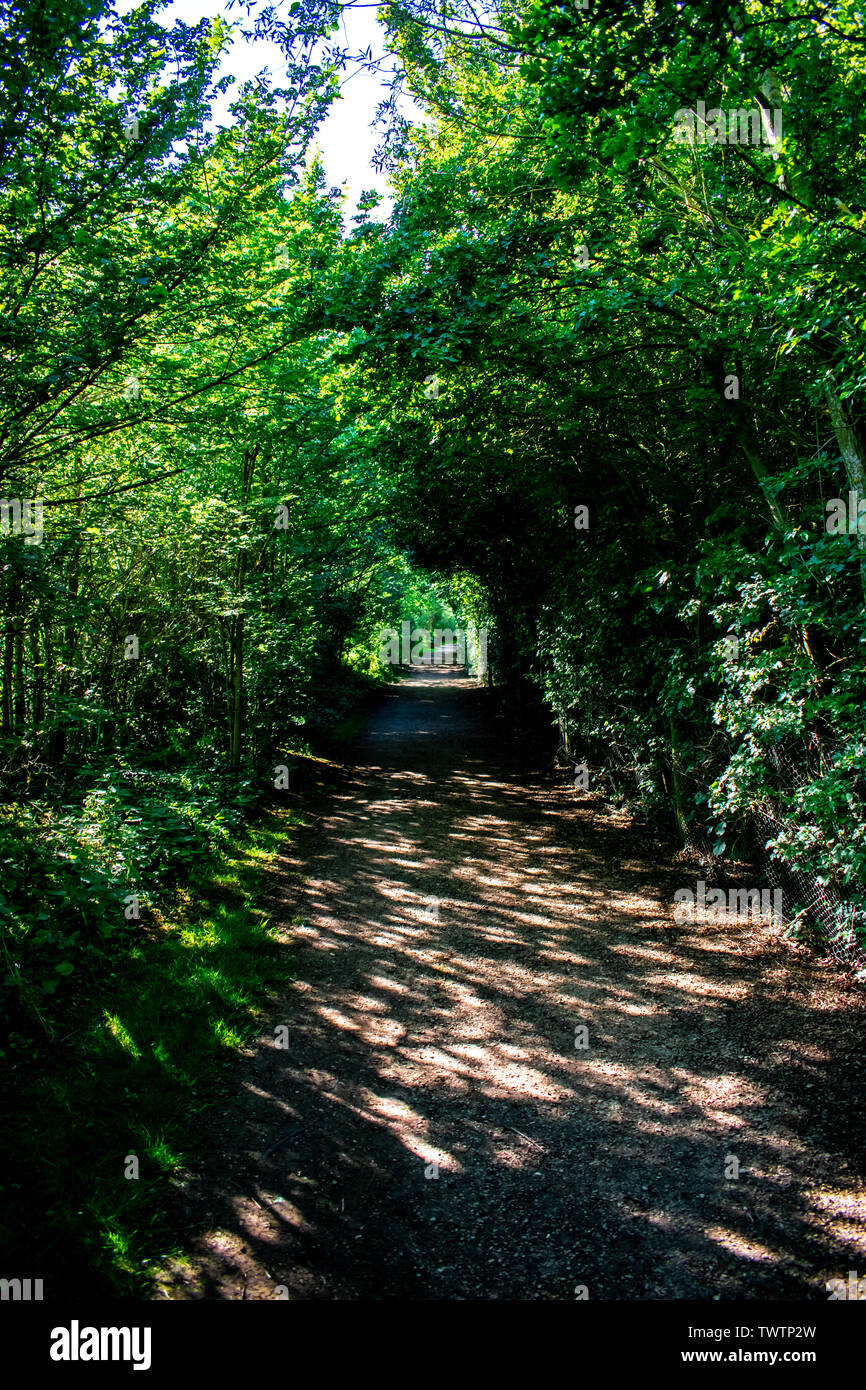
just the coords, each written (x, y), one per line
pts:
(435, 1130)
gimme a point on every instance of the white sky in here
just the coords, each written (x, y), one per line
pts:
(346, 139)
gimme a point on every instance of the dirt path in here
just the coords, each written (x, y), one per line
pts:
(459, 925)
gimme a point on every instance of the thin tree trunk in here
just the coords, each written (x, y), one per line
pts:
(852, 457)
(37, 659)
(20, 695)
(236, 693)
(679, 786)
(8, 670)
(236, 631)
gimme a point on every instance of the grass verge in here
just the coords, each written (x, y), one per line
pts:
(100, 1120)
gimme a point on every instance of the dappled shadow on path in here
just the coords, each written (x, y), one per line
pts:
(436, 1128)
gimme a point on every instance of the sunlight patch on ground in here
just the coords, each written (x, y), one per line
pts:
(739, 1245)
(333, 1016)
(393, 986)
(847, 1212)
(736, 1091)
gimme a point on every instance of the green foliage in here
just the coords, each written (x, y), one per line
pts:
(669, 334)
(141, 1055)
(261, 439)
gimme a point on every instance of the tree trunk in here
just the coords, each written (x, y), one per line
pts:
(8, 670)
(236, 692)
(679, 786)
(20, 716)
(852, 456)
(236, 629)
(760, 472)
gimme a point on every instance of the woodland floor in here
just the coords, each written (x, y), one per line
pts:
(425, 1032)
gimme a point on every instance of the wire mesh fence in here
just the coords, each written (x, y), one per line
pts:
(837, 915)
(832, 916)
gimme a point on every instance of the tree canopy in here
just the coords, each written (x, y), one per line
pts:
(595, 384)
